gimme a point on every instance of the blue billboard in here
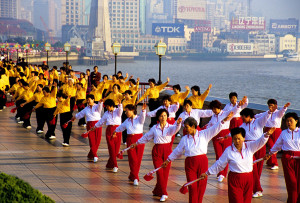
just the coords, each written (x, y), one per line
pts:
(168, 29)
(284, 26)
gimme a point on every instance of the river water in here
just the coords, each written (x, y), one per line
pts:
(259, 80)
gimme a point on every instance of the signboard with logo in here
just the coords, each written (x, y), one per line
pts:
(202, 26)
(282, 27)
(168, 29)
(191, 9)
(240, 47)
(248, 23)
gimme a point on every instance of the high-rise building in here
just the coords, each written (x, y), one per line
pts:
(143, 17)
(9, 8)
(26, 10)
(72, 12)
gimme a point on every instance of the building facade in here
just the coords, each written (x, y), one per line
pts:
(72, 12)
(9, 8)
(287, 42)
(263, 43)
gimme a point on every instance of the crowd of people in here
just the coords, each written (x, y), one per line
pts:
(240, 138)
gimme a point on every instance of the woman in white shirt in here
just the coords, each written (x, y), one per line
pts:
(239, 156)
(162, 134)
(289, 142)
(195, 146)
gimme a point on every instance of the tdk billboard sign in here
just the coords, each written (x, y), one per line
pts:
(168, 29)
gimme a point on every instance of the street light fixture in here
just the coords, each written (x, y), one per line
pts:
(116, 47)
(47, 48)
(17, 47)
(67, 48)
(27, 48)
(160, 50)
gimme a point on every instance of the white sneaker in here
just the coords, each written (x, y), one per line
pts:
(274, 168)
(20, 122)
(163, 198)
(39, 131)
(220, 178)
(4, 107)
(124, 143)
(18, 119)
(65, 144)
(178, 135)
(1, 110)
(135, 182)
(115, 169)
(257, 194)
(52, 137)
(84, 125)
(28, 127)
(95, 159)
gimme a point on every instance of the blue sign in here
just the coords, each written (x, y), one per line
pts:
(168, 29)
(281, 27)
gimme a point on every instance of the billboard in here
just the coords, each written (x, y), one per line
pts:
(168, 29)
(191, 9)
(202, 26)
(284, 26)
(248, 23)
(240, 47)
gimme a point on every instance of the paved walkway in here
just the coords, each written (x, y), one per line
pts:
(65, 175)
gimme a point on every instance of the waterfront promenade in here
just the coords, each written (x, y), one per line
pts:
(65, 175)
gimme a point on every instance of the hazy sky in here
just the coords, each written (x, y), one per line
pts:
(277, 8)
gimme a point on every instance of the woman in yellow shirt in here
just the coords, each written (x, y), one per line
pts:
(134, 86)
(197, 98)
(70, 90)
(115, 95)
(153, 95)
(63, 109)
(97, 92)
(179, 97)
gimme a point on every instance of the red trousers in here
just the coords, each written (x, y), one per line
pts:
(240, 187)
(135, 156)
(94, 139)
(257, 169)
(113, 145)
(291, 170)
(194, 167)
(272, 139)
(235, 122)
(160, 153)
(220, 146)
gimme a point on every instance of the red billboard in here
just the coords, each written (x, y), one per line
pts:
(248, 23)
(202, 26)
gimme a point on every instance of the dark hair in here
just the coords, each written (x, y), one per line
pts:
(292, 115)
(40, 85)
(132, 80)
(131, 107)
(109, 102)
(196, 88)
(80, 84)
(233, 94)
(152, 80)
(121, 77)
(187, 102)
(118, 86)
(46, 89)
(22, 74)
(55, 81)
(190, 121)
(272, 101)
(88, 70)
(62, 68)
(247, 112)
(41, 74)
(238, 130)
(167, 97)
(90, 96)
(128, 92)
(95, 67)
(55, 67)
(119, 72)
(82, 73)
(104, 76)
(177, 87)
(160, 111)
(60, 94)
(25, 84)
(116, 76)
(215, 104)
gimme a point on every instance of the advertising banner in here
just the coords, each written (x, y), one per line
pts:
(191, 9)
(248, 23)
(202, 26)
(168, 29)
(281, 26)
(240, 47)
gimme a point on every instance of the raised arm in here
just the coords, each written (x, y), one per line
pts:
(204, 113)
(146, 137)
(219, 165)
(162, 86)
(144, 96)
(178, 151)
(142, 116)
(102, 121)
(261, 121)
(282, 111)
(121, 128)
(175, 128)
(153, 113)
(205, 94)
(254, 146)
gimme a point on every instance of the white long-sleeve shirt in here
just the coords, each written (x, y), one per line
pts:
(254, 129)
(287, 141)
(111, 118)
(223, 114)
(196, 114)
(239, 162)
(275, 118)
(172, 109)
(230, 106)
(160, 136)
(91, 113)
(197, 144)
(134, 125)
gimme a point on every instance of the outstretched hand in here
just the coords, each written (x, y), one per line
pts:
(243, 101)
(168, 79)
(230, 115)
(165, 163)
(287, 105)
(203, 176)
(144, 106)
(179, 120)
(271, 131)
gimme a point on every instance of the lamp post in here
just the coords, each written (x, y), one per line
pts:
(47, 48)
(160, 50)
(67, 48)
(116, 47)
(17, 47)
(27, 48)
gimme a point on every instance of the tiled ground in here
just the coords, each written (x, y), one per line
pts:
(65, 175)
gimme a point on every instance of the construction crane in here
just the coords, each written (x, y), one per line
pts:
(47, 29)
